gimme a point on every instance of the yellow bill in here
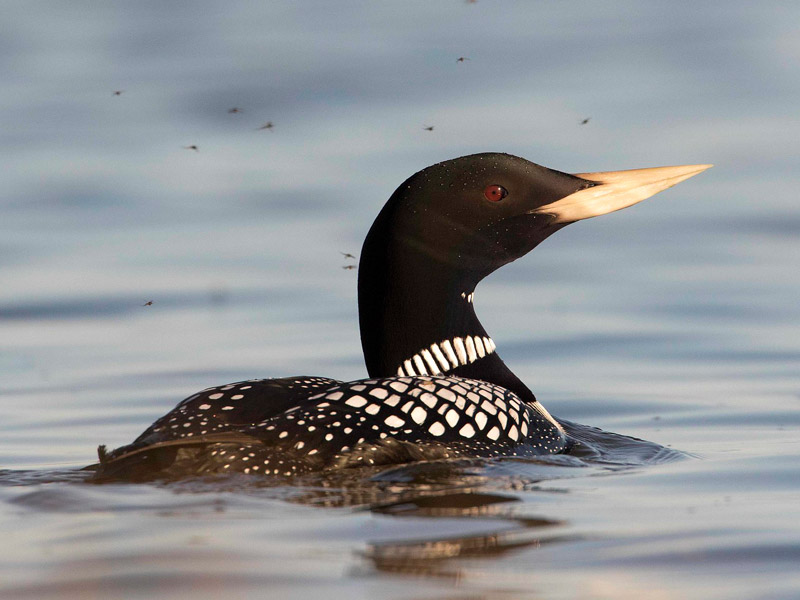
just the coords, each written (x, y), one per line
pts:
(615, 190)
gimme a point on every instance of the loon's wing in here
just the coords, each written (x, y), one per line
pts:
(199, 420)
(220, 408)
(197, 456)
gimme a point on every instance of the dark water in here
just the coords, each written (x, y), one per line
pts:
(675, 321)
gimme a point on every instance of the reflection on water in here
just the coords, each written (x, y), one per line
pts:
(428, 556)
(480, 491)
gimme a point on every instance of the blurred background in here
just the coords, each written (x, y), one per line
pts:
(180, 181)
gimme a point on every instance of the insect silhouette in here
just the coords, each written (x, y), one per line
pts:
(234, 111)
(148, 303)
(349, 267)
(585, 121)
(192, 147)
(461, 59)
(428, 128)
(347, 255)
(267, 125)
(117, 92)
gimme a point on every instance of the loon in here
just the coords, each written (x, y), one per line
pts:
(437, 388)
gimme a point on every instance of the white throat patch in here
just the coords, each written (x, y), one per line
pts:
(446, 355)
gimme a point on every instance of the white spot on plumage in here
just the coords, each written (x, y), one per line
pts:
(394, 421)
(379, 393)
(489, 407)
(356, 401)
(493, 433)
(392, 400)
(409, 368)
(480, 420)
(452, 417)
(419, 415)
(204, 406)
(436, 429)
(459, 390)
(215, 396)
(467, 431)
(503, 418)
(446, 394)
(479, 347)
(373, 409)
(398, 386)
(429, 399)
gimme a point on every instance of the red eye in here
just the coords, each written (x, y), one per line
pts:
(495, 193)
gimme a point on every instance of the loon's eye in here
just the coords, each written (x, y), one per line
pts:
(495, 193)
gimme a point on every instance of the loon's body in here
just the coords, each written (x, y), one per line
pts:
(437, 387)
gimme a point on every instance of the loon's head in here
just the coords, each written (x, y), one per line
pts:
(479, 212)
(451, 224)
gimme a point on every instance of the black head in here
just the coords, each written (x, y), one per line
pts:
(453, 223)
(475, 213)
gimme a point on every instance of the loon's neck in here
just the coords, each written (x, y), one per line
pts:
(417, 317)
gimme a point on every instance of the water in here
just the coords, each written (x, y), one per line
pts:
(674, 321)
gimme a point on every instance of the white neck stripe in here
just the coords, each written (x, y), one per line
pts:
(432, 366)
(451, 356)
(446, 355)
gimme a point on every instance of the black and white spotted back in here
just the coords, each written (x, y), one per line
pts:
(472, 418)
(311, 424)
